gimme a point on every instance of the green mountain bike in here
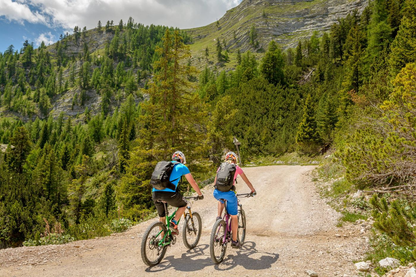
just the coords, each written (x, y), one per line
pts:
(221, 233)
(158, 235)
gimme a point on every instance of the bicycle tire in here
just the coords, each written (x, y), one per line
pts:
(217, 246)
(242, 227)
(152, 253)
(192, 230)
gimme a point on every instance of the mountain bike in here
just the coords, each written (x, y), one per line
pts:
(221, 233)
(158, 235)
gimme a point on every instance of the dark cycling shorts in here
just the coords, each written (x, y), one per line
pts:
(172, 198)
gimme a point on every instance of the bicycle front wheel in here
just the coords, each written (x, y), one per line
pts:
(192, 230)
(241, 233)
(153, 249)
(218, 243)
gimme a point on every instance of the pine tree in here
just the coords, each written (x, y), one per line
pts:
(299, 55)
(403, 48)
(307, 136)
(272, 65)
(219, 51)
(171, 119)
(124, 146)
(354, 54)
(19, 150)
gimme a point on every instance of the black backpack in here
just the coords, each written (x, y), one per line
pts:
(225, 177)
(161, 175)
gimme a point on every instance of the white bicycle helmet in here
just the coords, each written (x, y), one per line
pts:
(179, 156)
(231, 156)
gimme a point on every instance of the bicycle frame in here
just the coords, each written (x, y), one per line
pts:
(167, 238)
(227, 217)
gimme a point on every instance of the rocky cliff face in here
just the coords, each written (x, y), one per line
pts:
(285, 21)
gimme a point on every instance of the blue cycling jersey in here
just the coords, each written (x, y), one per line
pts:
(177, 172)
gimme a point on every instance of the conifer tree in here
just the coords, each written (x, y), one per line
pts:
(326, 118)
(307, 136)
(171, 119)
(403, 48)
(354, 54)
(17, 154)
(219, 51)
(299, 55)
(124, 146)
(108, 199)
(272, 65)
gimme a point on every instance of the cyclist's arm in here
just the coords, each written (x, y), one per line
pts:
(191, 180)
(247, 181)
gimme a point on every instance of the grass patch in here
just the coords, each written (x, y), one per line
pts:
(286, 159)
(352, 217)
(340, 187)
(382, 247)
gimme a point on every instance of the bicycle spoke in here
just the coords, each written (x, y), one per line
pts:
(218, 245)
(153, 246)
(192, 230)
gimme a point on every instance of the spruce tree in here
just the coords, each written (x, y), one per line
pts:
(272, 66)
(403, 48)
(307, 136)
(172, 119)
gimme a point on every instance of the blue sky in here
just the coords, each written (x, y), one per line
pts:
(46, 20)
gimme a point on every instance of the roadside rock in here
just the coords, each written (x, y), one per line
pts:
(389, 262)
(362, 266)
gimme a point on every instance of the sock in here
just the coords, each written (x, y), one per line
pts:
(174, 221)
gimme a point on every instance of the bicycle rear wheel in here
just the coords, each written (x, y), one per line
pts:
(153, 249)
(241, 233)
(217, 243)
(192, 230)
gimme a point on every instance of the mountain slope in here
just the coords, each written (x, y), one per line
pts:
(285, 21)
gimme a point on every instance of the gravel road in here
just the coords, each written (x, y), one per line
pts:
(290, 231)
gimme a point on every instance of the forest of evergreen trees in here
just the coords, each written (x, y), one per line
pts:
(351, 89)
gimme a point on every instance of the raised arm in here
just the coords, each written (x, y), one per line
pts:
(191, 180)
(247, 182)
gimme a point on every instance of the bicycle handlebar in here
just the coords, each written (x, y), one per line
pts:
(246, 194)
(196, 198)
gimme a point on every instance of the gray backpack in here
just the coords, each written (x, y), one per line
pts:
(225, 177)
(161, 175)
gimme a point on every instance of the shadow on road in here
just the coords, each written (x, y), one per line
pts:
(248, 257)
(199, 258)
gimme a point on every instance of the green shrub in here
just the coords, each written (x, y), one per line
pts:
(89, 228)
(49, 239)
(120, 225)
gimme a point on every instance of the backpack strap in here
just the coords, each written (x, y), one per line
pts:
(170, 185)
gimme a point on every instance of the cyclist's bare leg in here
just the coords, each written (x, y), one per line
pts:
(162, 219)
(179, 213)
(234, 226)
(220, 208)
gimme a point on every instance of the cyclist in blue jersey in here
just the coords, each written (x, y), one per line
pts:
(174, 197)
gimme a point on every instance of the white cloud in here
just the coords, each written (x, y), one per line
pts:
(20, 12)
(47, 38)
(71, 13)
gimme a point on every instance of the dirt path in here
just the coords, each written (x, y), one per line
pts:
(290, 230)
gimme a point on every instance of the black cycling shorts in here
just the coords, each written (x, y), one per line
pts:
(174, 199)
